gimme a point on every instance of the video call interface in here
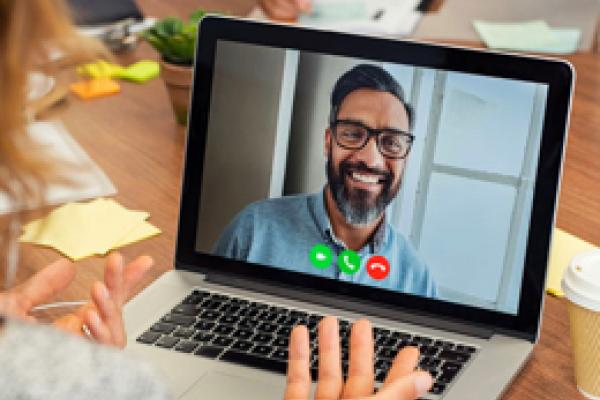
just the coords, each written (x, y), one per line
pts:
(402, 178)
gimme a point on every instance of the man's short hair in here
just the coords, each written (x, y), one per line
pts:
(366, 76)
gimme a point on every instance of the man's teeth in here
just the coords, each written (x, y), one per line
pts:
(365, 178)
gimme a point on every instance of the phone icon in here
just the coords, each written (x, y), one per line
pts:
(378, 267)
(349, 262)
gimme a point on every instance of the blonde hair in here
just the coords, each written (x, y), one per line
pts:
(33, 34)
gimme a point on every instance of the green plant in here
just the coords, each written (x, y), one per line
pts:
(174, 39)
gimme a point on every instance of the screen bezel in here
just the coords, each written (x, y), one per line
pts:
(558, 75)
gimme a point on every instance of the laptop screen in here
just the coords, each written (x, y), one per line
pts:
(402, 178)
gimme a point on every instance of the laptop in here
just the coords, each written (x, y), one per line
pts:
(334, 174)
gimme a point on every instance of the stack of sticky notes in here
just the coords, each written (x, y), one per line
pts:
(564, 247)
(532, 36)
(80, 230)
(101, 75)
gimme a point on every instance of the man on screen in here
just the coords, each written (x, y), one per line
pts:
(336, 232)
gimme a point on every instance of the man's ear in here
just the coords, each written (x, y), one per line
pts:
(327, 144)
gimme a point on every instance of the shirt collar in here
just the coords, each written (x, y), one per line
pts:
(316, 203)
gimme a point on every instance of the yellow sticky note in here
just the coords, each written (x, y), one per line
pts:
(140, 72)
(80, 230)
(93, 88)
(99, 69)
(142, 231)
(564, 247)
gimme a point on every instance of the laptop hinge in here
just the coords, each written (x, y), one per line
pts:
(351, 304)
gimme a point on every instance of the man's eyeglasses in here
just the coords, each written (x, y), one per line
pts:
(352, 135)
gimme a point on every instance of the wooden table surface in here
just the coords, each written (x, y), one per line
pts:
(134, 138)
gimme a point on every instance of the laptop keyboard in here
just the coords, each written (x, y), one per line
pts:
(242, 331)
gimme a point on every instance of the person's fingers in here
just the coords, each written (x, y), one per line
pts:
(408, 387)
(45, 285)
(404, 363)
(298, 368)
(329, 385)
(70, 323)
(113, 277)
(110, 313)
(134, 272)
(361, 374)
(98, 329)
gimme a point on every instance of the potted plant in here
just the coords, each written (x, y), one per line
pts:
(175, 41)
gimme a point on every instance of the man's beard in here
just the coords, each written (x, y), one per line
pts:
(356, 205)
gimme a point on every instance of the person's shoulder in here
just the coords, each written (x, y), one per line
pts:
(278, 205)
(67, 361)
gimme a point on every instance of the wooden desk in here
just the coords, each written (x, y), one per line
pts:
(134, 138)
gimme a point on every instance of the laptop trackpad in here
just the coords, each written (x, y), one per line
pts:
(215, 385)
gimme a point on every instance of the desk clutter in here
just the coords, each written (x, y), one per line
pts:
(80, 230)
(535, 36)
(100, 77)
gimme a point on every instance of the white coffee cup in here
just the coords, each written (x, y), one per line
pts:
(581, 285)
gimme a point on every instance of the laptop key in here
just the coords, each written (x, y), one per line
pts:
(423, 340)
(241, 345)
(203, 337)
(167, 342)
(185, 309)
(181, 320)
(465, 349)
(186, 346)
(284, 331)
(210, 315)
(262, 338)
(281, 341)
(280, 354)
(444, 344)
(261, 350)
(184, 332)
(446, 376)
(254, 361)
(204, 325)
(450, 366)
(209, 351)
(223, 330)
(386, 353)
(454, 356)
(148, 337)
(437, 388)
(428, 350)
(267, 327)
(222, 341)
(229, 319)
(163, 327)
(242, 334)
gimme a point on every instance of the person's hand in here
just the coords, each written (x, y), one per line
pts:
(41, 288)
(401, 383)
(285, 10)
(103, 316)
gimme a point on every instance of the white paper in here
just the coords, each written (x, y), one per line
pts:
(89, 180)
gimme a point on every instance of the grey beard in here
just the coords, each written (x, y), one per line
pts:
(357, 214)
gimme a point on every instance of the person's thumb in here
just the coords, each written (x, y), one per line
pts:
(408, 387)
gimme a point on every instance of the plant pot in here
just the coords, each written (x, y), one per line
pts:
(178, 80)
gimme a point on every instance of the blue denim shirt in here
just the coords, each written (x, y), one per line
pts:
(281, 232)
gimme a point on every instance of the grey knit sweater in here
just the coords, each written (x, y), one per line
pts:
(39, 362)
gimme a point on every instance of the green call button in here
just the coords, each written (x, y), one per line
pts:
(349, 262)
(320, 256)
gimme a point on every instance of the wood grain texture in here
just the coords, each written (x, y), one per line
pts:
(135, 139)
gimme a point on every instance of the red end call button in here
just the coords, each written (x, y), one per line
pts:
(378, 267)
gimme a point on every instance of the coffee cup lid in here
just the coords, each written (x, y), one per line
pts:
(581, 281)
